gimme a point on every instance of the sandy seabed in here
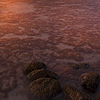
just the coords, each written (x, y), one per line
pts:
(56, 32)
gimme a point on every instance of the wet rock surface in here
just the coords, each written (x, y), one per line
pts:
(45, 88)
(42, 73)
(90, 81)
(72, 93)
(56, 32)
(33, 66)
(81, 65)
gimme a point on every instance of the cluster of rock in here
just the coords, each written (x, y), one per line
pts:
(74, 94)
(89, 82)
(45, 85)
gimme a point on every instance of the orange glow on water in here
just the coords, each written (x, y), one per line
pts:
(56, 32)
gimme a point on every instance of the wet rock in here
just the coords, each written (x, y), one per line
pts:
(33, 66)
(42, 73)
(90, 81)
(81, 65)
(72, 93)
(45, 88)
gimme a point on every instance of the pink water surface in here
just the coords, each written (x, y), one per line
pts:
(56, 32)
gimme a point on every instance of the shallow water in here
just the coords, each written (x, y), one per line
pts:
(55, 32)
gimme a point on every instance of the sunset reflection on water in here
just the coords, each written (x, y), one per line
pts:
(57, 33)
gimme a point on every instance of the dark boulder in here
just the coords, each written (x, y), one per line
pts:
(90, 81)
(33, 66)
(72, 93)
(81, 65)
(42, 73)
(45, 88)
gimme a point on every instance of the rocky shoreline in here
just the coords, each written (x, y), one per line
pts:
(56, 32)
(45, 83)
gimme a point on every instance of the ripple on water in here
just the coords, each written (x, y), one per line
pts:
(51, 31)
(11, 35)
(17, 8)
